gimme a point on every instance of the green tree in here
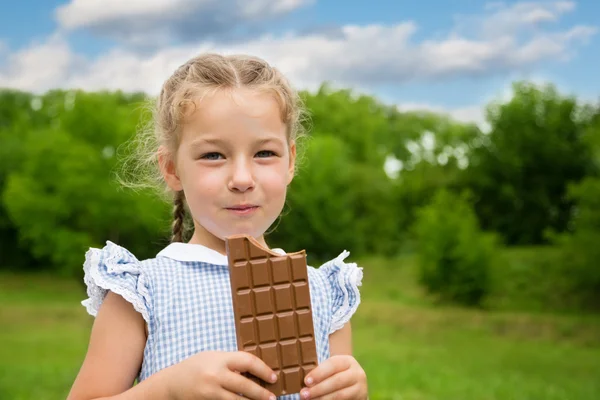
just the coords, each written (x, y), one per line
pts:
(580, 247)
(358, 120)
(319, 214)
(454, 255)
(18, 115)
(536, 147)
(342, 196)
(433, 150)
(63, 197)
(580, 272)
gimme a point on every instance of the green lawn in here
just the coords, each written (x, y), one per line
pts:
(410, 349)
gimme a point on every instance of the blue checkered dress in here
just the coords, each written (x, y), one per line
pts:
(184, 295)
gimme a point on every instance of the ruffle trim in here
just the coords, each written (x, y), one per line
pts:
(349, 279)
(115, 263)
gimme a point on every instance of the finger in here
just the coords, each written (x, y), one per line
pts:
(223, 394)
(236, 383)
(332, 384)
(346, 393)
(226, 395)
(246, 362)
(326, 369)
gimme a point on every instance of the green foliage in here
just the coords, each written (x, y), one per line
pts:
(360, 121)
(432, 149)
(418, 186)
(341, 197)
(454, 255)
(408, 129)
(317, 220)
(61, 195)
(536, 147)
(581, 251)
(16, 120)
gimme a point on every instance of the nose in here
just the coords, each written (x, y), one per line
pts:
(241, 178)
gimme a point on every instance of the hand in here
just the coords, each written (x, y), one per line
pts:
(218, 375)
(339, 377)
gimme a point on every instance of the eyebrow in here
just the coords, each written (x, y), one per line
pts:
(218, 141)
(201, 141)
(270, 139)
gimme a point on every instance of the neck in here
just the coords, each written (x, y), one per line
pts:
(203, 237)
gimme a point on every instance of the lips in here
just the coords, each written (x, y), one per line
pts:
(242, 207)
(243, 210)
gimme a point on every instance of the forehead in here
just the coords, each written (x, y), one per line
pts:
(238, 111)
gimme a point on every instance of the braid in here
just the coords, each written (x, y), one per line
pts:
(178, 217)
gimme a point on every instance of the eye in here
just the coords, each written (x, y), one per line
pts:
(211, 156)
(265, 154)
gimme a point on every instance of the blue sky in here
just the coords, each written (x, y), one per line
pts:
(433, 54)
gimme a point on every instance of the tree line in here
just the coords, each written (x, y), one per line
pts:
(457, 194)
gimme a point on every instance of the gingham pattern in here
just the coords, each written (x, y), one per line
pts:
(184, 296)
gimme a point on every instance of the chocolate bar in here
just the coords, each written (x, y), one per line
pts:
(272, 309)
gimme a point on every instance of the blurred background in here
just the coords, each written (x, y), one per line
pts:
(453, 148)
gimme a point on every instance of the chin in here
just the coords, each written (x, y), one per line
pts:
(242, 230)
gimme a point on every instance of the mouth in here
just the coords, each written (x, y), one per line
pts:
(243, 209)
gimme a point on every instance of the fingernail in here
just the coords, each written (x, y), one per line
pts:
(309, 381)
(272, 397)
(273, 378)
(305, 394)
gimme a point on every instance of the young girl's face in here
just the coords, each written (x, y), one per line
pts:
(234, 163)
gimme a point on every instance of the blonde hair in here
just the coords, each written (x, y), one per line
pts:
(193, 80)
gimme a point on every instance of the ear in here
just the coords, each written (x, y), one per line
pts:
(292, 166)
(168, 169)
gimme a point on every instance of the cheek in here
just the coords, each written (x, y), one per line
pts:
(201, 184)
(209, 183)
(275, 179)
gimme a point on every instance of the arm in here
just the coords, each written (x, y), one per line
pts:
(114, 354)
(340, 376)
(340, 341)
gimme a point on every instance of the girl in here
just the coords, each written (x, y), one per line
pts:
(226, 132)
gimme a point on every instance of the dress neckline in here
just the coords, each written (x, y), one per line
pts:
(197, 252)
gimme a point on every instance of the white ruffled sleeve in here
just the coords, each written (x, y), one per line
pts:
(116, 269)
(344, 280)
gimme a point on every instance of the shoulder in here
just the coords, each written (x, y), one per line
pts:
(340, 272)
(113, 268)
(341, 282)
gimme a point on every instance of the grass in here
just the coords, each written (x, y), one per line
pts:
(43, 337)
(410, 348)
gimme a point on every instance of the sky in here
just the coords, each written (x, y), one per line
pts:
(451, 57)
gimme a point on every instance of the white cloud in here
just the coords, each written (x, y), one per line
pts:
(502, 19)
(357, 56)
(157, 23)
(40, 67)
